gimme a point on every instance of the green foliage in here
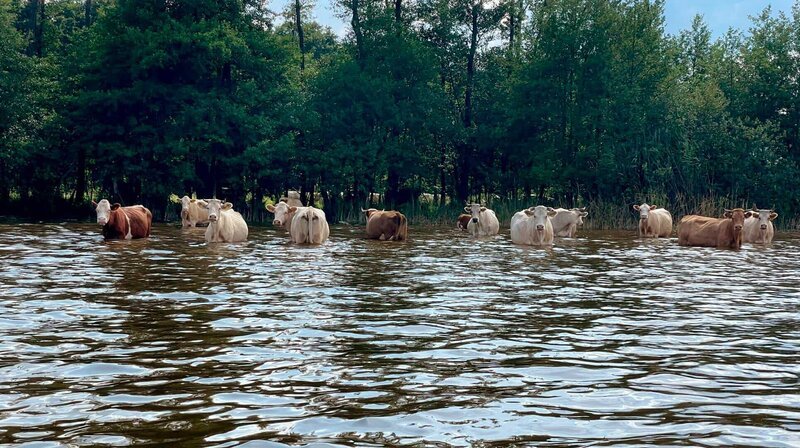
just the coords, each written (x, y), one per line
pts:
(561, 102)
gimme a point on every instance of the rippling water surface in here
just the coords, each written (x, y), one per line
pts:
(444, 340)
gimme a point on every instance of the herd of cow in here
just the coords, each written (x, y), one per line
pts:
(535, 226)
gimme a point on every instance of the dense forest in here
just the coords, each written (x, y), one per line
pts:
(510, 102)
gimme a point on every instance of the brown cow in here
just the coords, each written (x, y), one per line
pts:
(387, 225)
(463, 221)
(123, 223)
(713, 232)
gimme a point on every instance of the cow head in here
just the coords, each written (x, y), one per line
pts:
(283, 213)
(103, 210)
(474, 210)
(580, 213)
(540, 215)
(737, 215)
(185, 201)
(306, 222)
(644, 210)
(292, 194)
(369, 212)
(215, 207)
(764, 216)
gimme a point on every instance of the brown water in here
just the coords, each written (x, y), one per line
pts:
(603, 340)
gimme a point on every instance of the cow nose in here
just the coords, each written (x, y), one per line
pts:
(275, 222)
(475, 220)
(102, 222)
(212, 217)
(540, 227)
(763, 227)
(737, 227)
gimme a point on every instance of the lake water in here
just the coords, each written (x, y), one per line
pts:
(443, 340)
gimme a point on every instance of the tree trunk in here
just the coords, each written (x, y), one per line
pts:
(473, 48)
(87, 13)
(355, 22)
(38, 31)
(300, 37)
(398, 12)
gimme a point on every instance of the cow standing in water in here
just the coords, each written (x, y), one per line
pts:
(463, 221)
(224, 224)
(123, 223)
(758, 227)
(386, 225)
(193, 212)
(566, 222)
(532, 226)
(483, 221)
(703, 231)
(309, 226)
(654, 222)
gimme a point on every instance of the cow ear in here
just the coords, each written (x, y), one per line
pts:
(467, 209)
(227, 206)
(271, 208)
(584, 214)
(551, 212)
(772, 216)
(636, 207)
(193, 200)
(753, 214)
(727, 214)
(115, 206)
(483, 209)
(528, 212)
(292, 209)
(748, 214)
(653, 207)
(94, 204)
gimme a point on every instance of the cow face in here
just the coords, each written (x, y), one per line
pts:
(474, 210)
(737, 215)
(644, 210)
(764, 216)
(580, 213)
(283, 213)
(215, 207)
(185, 201)
(540, 215)
(103, 210)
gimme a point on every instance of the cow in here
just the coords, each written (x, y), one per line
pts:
(654, 222)
(463, 221)
(566, 222)
(703, 231)
(123, 223)
(309, 226)
(532, 226)
(192, 212)
(483, 221)
(283, 214)
(293, 199)
(758, 227)
(224, 224)
(386, 225)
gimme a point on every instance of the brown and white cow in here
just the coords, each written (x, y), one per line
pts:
(758, 227)
(697, 230)
(309, 226)
(192, 212)
(463, 221)
(283, 214)
(123, 223)
(566, 222)
(483, 221)
(654, 222)
(386, 225)
(224, 224)
(532, 226)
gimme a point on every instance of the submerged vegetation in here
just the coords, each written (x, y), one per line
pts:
(558, 102)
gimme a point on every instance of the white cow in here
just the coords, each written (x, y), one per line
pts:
(483, 221)
(758, 228)
(532, 226)
(283, 214)
(293, 199)
(654, 222)
(566, 222)
(224, 224)
(309, 226)
(193, 212)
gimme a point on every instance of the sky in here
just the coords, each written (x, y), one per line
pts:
(718, 14)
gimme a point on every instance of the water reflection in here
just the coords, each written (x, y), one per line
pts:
(603, 339)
